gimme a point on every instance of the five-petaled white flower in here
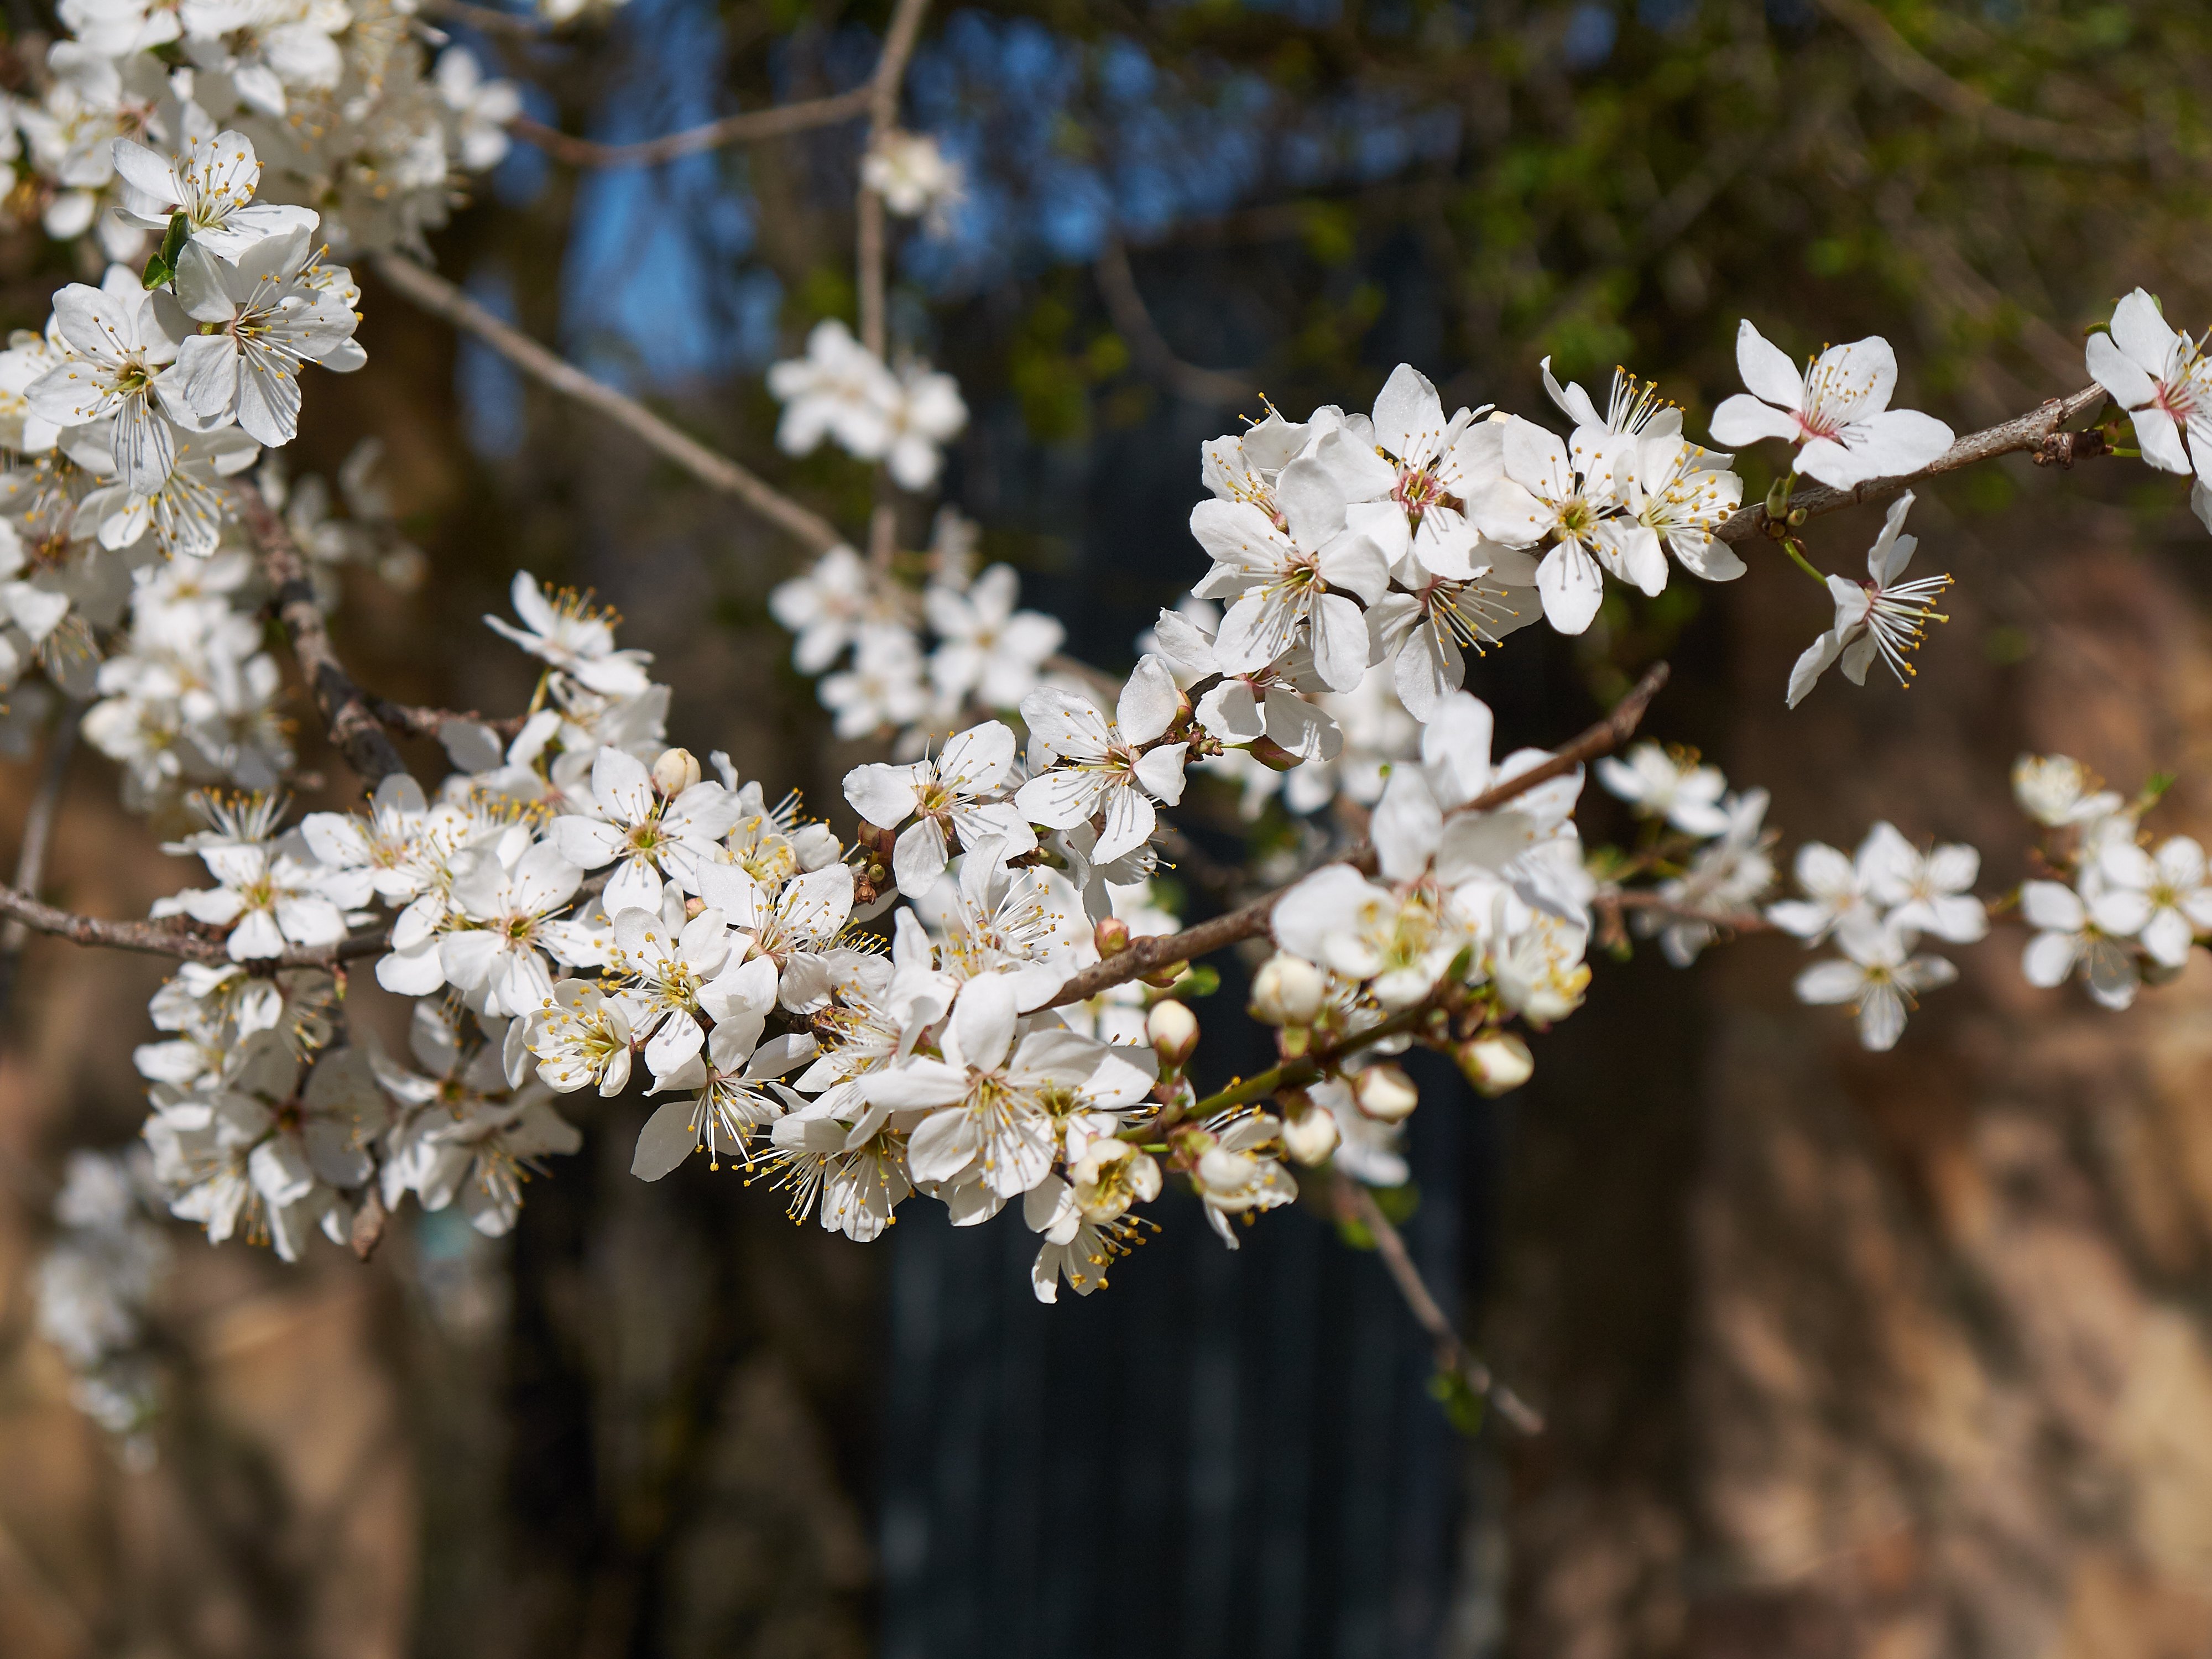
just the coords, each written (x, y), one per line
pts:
(992, 1099)
(1930, 892)
(1673, 785)
(120, 357)
(1837, 412)
(1547, 492)
(986, 646)
(2067, 935)
(265, 322)
(646, 835)
(1881, 617)
(211, 183)
(1305, 572)
(945, 800)
(499, 960)
(1099, 766)
(1878, 975)
(2161, 899)
(564, 630)
(2162, 378)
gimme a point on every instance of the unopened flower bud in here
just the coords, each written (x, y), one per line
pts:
(1272, 755)
(1288, 990)
(692, 906)
(1496, 1064)
(1111, 935)
(1173, 1029)
(1309, 1133)
(676, 770)
(1386, 1094)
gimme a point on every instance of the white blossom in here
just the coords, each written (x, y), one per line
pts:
(1659, 784)
(2067, 936)
(1097, 767)
(1837, 412)
(1881, 617)
(1879, 977)
(565, 631)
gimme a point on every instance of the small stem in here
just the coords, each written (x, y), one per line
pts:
(37, 834)
(1796, 552)
(1357, 1204)
(1306, 1068)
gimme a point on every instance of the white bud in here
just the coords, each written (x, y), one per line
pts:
(1496, 1064)
(1310, 1135)
(676, 770)
(1173, 1029)
(1385, 1094)
(1288, 990)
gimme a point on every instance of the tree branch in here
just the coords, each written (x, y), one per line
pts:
(1356, 1204)
(1125, 304)
(169, 938)
(748, 127)
(349, 714)
(2038, 432)
(1147, 956)
(490, 20)
(870, 241)
(38, 831)
(434, 294)
(1904, 64)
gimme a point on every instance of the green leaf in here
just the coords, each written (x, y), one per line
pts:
(1462, 1406)
(161, 268)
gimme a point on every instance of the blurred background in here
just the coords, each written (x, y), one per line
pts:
(1891, 1355)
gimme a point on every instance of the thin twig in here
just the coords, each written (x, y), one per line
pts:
(348, 713)
(748, 127)
(169, 938)
(1903, 63)
(38, 833)
(490, 20)
(1357, 1204)
(441, 298)
(870, 241)
(413, 720)
(1125, 304)
(1147, 956)
(2038, 432)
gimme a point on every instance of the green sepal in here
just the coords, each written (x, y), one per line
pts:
(161, 268)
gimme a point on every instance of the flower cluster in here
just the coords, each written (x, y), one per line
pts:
(340, 97)
(1709, 846)
(1873, 906)
(986, 655)
(842, 390)
(578, 908)
(2127, 914)
(107, 1260)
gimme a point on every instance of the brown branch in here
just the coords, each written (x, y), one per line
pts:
(38, 832)
(169, 938)
(2038, 432)
(1125, 304)
(1356, 1204)
(1904, 64)
(1646, 902)
(489, 18)
(413, 720)
(368, 1221)
(748, 127)
(441, 298)
(870, 241)
(349, 714)
(1147, 956)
